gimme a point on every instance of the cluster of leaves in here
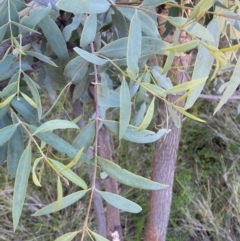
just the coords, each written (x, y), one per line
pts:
(113, 43)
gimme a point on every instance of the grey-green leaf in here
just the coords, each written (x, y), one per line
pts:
(41, 57)
(127, 177)
(133, 135)
(55, 38)
(85, 137)
(15, 150)
(21, 182)
(97, 237)
(67, 236)
(125, 109)
(134, 45)
(83, 6)
(69, 174)
(66, 201)
(154, 3)
(6, 133)
(120, 202)
(90, 57)
(56, 124)
(89, 30)
(76, 69)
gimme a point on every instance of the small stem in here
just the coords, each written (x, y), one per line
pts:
(95, 145)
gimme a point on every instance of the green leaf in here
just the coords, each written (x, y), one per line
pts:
(119, 22)
(108, 98)
(29, 100)
(200, 9)
(66, 201)
(97, 237)
(186, 86)
(133, 135)
(89, 30)
(197, 30)
(74, 161)
(154, 3)
(138, 117)
(67, 31)
(175, 118)
(128, 178)
(59, 194)
(82, 6)
(203, 64)
(3, 30)
(148, 25)
(148, 117)
(35, 16)
(59, 144)
(125, 109)
(153, 89)
(34, 176)
(90, 57)
(6, 133)
(55, 124)
(25, 110)
(162, 79)
(134, 45)
(21, 182)
(184, 47)
(231, 87)
(184, 112)
(67, 236)
(120, 202)
(8, 89)
(15, 150)
(76, 70)
(69, 174)
(32, 86)
(55, 38)
(41, 57)
(85, 137)
(6, 64)
(4, 121)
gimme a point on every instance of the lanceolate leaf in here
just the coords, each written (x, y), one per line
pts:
(133, 135)
(231, 87)
(55, 124)
(148, 117)
(66, 201)
(89, 30)
(120, 202)
(21, 182)
(125, 108)
(97, 237)
(15, 150)
(82, 6)
(6, 133)
(34, 176)
(59, 144)
(185, 86)
(85, 137)
(41, 57)
(55, 38)
(67, 236)
(76, 69)
(134, 45)
(203, 64)
(90, 57)
(154, 3)
(127, 177)
(35, 94)
(69, 174)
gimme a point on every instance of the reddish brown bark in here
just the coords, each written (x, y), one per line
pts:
(164, 160)
(114, 229)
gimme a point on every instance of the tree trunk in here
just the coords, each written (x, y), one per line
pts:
(164, 160)
(114, 229)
